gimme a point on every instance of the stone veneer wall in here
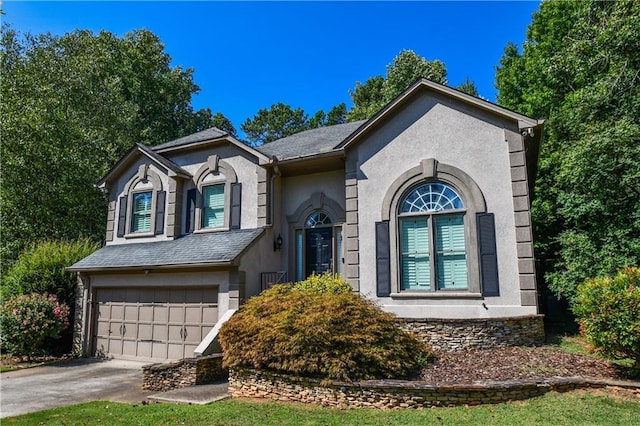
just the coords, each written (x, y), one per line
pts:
(183, 373)
(486, 333)
(386, 394)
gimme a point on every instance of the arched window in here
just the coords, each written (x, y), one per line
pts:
(431, 227)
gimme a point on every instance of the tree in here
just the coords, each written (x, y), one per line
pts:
(204, 119)
(281, 120)
(71, 106)
(580, 69)
(468, 86)
(337, 115)
(406, 68)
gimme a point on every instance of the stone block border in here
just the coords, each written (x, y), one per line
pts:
(394, 394)
(183, 373)
(483, 333)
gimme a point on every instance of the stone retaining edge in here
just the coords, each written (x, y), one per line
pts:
(392, 394)
(183, 373)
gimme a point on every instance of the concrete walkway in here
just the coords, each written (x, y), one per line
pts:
(84, 380)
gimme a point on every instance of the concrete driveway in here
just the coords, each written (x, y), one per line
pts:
(69, 383)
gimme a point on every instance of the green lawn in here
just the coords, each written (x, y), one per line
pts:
(575, 408)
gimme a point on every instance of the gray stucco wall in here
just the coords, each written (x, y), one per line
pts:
(470, 140)
(117, 190)
(245, 167)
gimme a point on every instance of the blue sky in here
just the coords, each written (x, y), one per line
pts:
(250, 55)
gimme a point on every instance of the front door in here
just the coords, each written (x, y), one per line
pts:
(319, 249)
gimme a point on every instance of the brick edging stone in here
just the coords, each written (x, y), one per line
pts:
(391, 394)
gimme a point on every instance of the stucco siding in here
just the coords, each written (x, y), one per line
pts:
(471, 141)
(258, 258)
(245, 168)
(119, 190)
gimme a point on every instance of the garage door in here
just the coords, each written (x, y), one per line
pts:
(153, 323)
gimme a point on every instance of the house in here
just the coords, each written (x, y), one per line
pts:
(423, 208)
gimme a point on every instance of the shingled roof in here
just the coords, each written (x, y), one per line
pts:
(204, 135)
(194, 249)
(310, 142)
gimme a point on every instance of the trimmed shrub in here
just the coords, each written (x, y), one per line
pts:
(325, 283)
(29, 321)
(41, 269)
(332, 335)
(608, 311)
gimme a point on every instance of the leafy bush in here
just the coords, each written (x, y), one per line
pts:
(325, 283)
(29, 321)
(41, 269)
(608, 310)
(334, 335)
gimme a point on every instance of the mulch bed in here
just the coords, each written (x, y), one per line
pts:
(516, 363)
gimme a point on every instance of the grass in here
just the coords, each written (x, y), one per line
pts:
(575, 408)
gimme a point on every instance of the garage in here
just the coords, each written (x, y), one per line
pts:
(152, 323)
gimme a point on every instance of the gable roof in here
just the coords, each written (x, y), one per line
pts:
(139, 149)
(310, 142)
(215, 248)
(423, 84)
(206, 137)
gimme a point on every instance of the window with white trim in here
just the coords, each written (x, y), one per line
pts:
(433, 254)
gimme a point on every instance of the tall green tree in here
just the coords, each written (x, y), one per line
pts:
(278, 121)
(580, 69)
(281, 120)
(407, 67)
(469, 87)
(71, 106)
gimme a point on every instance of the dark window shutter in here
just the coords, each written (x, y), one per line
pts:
(160, 202)
(236, 198)
(122, 217)
(383, 266)
(488, 256)
(191, 210)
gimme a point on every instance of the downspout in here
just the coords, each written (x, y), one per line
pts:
(276, 173)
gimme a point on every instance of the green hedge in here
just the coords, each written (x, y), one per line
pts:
(608, 311)
(320, 328)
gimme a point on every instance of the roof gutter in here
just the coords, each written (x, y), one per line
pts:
(338, 153)
(146, 268)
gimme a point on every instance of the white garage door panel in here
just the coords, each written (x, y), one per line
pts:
(153, 323)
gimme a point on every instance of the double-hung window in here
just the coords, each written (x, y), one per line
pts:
(141, 211)
(432, 239)
(213, 206)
